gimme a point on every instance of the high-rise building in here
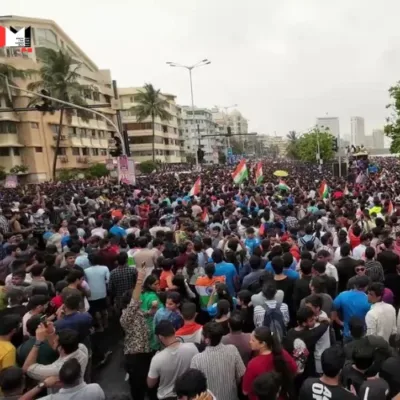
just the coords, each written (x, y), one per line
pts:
(357, 131)
(196, 127)
(168, 135)
(378, 138)
(369, 142)
(29, 138)
(330, 123)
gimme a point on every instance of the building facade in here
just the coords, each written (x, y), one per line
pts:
(268, 143)
(168, 140)
(198, 126)
(28, 138)
(357, 131)
(332, 123)
(378, 139)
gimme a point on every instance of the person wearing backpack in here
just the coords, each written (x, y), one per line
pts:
(308, 237)
(271, 357)
(272, 314)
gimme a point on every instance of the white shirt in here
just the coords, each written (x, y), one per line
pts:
(381, 320)
(359, 251)
(331, 271)
(259, 312)
(100, 232)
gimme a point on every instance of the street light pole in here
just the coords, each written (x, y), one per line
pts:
(195, 132)
(67, 104)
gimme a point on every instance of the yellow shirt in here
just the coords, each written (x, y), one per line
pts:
(7, 355)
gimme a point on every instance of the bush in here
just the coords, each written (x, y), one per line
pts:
(96, 171)
(147, 167)
(64, 175)
(19, 168)
(2, 173)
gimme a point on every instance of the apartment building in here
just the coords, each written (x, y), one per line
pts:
(278, 142)
(28, 138)
(168, 139)
(199, 125)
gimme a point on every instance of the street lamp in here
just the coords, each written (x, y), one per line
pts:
(201, 63)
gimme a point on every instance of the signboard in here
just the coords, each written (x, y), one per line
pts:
(11, 181)
(16, 37)
(126, 170)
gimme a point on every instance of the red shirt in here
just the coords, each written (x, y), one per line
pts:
(354, 240)
(261, 364)
(57, 301)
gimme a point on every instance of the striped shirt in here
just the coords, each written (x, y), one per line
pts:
(259, 312)
(223, 368)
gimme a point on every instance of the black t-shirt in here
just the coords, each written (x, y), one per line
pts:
(389, 261)
(301, 289)
(313, 388)
(55, 274)
(352, 377)
(346, 270)
(390, 371)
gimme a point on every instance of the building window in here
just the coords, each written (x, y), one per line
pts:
(85, 151)
(87, 94)
(8, 127)
(38, 149)
(94, 133)
(16, 151)
(4, 151)
(76, 151)
(83, 133)
(165, 129)
(55, 128)
(96, 96)
(101, 134)
(71, 131)
(95, 152)
(62, 151)
(34, 125)
(103, 152)
(132, 99)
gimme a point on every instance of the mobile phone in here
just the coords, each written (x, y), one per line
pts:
(43, 320)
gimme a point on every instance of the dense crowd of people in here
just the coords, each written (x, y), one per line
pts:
(287, 288)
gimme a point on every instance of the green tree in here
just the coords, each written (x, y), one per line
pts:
(292, 136)
(97, 171)
(10, 73)
(147, 167)
(59, 76)
(307, 145)
(3, 173)
(236, 146)
(190, 158)
(392, 127)
(151, 104)
(221, 157)
(292, 150)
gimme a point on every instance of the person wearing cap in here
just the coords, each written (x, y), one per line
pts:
(351, 303)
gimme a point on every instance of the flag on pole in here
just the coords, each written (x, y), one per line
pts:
(323, 190)
(282, 186)
(241, 172)
(195, 190)
(204, 215)
(390, 209)
(261, 231)
(259, 173)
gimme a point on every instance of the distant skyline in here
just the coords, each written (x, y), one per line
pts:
(284, 63)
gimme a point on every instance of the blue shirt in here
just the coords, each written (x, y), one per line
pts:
(292, 268)
(97, 278)
(64, 240)
(351, 303)
(251, 244)
(229, 271)
(118, 231)
(82, 261)
(80, 322)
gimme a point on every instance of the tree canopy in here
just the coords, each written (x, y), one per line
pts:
(392, 128)
(307, 145)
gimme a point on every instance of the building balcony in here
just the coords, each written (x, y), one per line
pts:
(157, 146)
(9, 140)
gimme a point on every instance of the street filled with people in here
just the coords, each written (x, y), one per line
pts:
(269, 279)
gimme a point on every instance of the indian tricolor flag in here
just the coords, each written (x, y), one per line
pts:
(282, 186)
(195, 190)
(323, 190)
(205, 286)
(241, 172)
(259, 173)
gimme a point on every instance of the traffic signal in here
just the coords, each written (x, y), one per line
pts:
(200, 155)
(118, 148)
(335, 146)
(46, 105)
(126, 142)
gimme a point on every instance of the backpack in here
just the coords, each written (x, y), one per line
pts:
(303, 242)
(273, 319)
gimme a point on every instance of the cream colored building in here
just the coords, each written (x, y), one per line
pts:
(28, 138)
(267, 141)
(168, 134)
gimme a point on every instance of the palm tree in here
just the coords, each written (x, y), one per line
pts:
(10, 73)
(292, 136)
(151, 104)
(59, 77)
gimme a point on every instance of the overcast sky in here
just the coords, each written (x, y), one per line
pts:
(284, 62)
